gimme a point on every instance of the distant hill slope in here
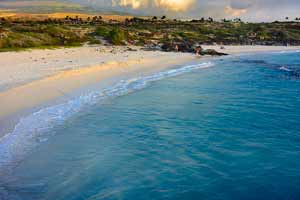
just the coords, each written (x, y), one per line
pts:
(34, 6)
(53, 6)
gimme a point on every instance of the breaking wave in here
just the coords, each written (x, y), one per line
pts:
(30, 129)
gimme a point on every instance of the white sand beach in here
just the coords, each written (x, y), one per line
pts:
(18, 68)
(30, 79)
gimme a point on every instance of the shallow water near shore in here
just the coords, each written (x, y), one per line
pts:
(228, 131)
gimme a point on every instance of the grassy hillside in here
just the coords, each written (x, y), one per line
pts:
(35, 6)
(153, 33)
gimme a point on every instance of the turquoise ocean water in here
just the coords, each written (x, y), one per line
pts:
(227, 129)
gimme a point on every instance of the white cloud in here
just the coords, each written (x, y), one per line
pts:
(246, 9)
(173, 5)
(234, 12)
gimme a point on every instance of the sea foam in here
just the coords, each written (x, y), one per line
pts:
(30, 129)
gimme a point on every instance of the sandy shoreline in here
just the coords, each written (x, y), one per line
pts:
(19, 68)
(42, 84)
(32, 79)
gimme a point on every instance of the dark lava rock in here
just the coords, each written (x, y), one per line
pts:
(178, 47)
(189, 47)
(212, 52)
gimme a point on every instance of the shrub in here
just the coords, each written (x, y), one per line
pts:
(102, 31)
(117, 36)
(93, 40)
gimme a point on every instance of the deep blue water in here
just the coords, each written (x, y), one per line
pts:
(230, 131)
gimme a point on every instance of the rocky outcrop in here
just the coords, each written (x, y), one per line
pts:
(189, 47)
(212, 52)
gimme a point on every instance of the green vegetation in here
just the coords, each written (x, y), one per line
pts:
(154, 32)
(117, 36)
(114, 35)
(103, 31)
(25, 36)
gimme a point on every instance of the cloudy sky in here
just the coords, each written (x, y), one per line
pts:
(252, 10)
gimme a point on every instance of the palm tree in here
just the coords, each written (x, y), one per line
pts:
(127, 21)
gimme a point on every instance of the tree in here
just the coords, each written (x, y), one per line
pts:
(95, 18)
(154, 18)
(287, 18)
(127, 22)
(48, 20)
(163, 17)
(237, 20)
